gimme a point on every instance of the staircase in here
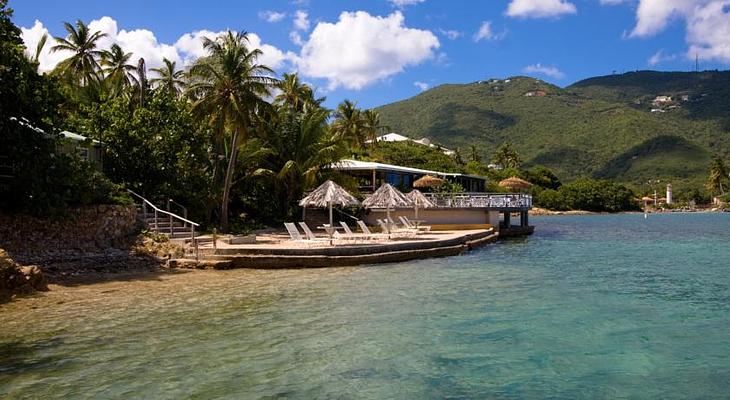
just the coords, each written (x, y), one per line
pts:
(165, 222)
(173, 228)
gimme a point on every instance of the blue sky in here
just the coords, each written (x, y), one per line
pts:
(386, 50)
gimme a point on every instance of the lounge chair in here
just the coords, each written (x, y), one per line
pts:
(366, 231)
(349, 234)
(408, 223)
(394, 229)
(310, 235)
(293, 232)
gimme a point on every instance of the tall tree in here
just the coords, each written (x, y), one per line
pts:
(301, 145)
(82, 65)
(117, 69)
(293, 92)
(506, 156)
(372, 126)
(169, 78)
(348, 124)
(230, 87)
(718, 175)
(474, 154)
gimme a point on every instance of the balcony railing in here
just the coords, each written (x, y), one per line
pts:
(480, 200)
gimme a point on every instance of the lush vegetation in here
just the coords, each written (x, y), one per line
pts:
(240, 145)
(43, 180)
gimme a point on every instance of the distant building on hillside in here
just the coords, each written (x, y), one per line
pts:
(394, 137)
(661, 100)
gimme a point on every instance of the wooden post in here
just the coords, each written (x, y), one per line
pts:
(157, 229)
(170, 217)
(374, 180)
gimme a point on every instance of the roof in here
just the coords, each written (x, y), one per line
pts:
(396, 137)
(355, 165)
(76, 137)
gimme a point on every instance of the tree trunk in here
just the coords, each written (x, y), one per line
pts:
(227, 182)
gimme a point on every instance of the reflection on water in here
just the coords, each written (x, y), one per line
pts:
(604, 306)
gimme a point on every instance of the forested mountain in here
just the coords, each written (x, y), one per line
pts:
(606, 127)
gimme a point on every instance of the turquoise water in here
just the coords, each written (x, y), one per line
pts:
(588, 307)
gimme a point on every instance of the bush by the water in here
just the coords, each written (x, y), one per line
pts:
(587, 194)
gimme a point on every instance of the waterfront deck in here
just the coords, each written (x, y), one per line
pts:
(275, 251)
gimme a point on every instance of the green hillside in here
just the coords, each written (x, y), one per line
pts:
(601, 127)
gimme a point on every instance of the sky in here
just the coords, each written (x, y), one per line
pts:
(379, 51)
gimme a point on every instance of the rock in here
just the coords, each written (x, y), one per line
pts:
(35, 278)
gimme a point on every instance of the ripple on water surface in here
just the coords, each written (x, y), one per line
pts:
(588, 307)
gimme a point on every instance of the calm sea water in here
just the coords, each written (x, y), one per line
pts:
(588, 307)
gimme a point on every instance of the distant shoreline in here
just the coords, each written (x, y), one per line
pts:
(542, 212)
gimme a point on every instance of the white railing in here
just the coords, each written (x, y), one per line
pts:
(170, 216)
(480, 200)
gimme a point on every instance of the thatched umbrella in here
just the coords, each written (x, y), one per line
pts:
(328, 194)
(428, 181)
(419, 200)
(515, 183)
(386, 197)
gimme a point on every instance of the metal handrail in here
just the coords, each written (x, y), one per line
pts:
(184, 209)
(157, 209)
(498, 200)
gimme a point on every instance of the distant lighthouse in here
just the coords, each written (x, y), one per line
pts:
(669, 193)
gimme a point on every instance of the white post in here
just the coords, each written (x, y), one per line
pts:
(330, 207)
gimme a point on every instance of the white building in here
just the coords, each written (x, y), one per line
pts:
(395, 137)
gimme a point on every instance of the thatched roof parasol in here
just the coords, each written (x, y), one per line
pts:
(515, 183)
(647, 198)
(428, 181)
(327, 195)
(419, 200)
(387, 197)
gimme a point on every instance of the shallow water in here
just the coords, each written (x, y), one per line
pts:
(588, 307)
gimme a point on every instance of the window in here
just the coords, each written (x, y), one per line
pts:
(83, 152)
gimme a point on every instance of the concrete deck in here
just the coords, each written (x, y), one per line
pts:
(277, 251)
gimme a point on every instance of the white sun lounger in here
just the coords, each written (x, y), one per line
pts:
(310, 236)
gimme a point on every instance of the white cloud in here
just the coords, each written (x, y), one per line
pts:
(296, 38)
(540, 8)
(485, 32)
(707, 24)
(659, 57)
(403, 3)
(708, 32)
(652, 16)
(31, 37)
(360, 49)
(301, 20)
(421, 85)
(614, 2)
(450, 33)
(538, 68)
(143, 43)
(271, 16)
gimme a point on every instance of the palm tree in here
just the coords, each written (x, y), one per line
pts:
(169, 78)
(301, 145)
(82, 64)
(35, 57)
(116, 68)
(718, 174)
(372, 126)
(230, 87)
(474, 154)
(348, 124)
(506, 156)
(140, 81)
